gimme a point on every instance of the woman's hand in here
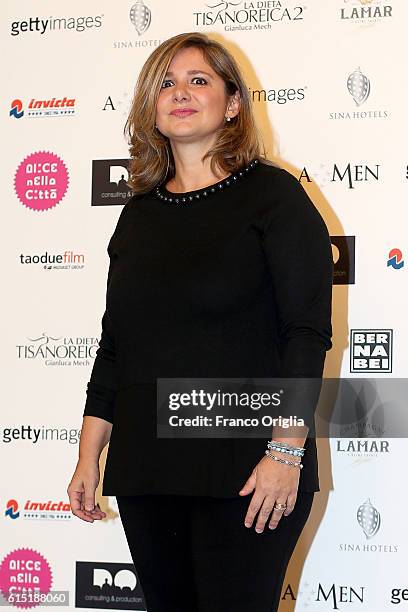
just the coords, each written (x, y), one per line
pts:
(81, 491)
(273, 482)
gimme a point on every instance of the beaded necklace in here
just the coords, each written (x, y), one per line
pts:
(185, 198)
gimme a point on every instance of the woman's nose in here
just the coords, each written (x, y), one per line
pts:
(181, 93)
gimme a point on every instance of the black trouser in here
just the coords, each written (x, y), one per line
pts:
(194, 554)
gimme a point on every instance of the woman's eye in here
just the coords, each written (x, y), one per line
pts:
(194, 78)
(200, 79)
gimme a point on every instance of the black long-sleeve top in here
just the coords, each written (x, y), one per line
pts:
(234, 283)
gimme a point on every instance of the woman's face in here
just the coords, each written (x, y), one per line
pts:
(192, 84)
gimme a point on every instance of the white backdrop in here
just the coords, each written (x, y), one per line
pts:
(329, 85)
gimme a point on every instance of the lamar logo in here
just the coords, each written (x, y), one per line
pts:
(371, 350)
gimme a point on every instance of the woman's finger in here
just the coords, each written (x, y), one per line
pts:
(255, 504)
(277, 513)
(290, 503)
(89, 497)
(77, 508)
(264, 513)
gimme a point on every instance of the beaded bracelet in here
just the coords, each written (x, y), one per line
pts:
(283, 447)
(286, 444)
(291, 463)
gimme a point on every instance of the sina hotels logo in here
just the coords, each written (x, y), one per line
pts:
(359, 88)
(358, 85)
(141, 16)
(369, 519)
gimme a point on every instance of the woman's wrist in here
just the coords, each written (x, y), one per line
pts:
(289, 461)
(88, 459)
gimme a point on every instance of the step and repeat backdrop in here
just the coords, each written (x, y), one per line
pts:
(328, 84)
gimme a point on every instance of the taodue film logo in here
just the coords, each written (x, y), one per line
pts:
(68, 260)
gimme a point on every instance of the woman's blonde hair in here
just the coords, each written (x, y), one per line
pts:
(238, 141)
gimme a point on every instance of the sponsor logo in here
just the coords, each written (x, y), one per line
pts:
(246, 15)
(108, 586)
(109, 185)
(69, 260)
(398, 595)
(28, 433)
(139, 20)
(344, 255)
(349, 175)
(62, 351)
(368, 518)
(24, 571)
(278, 96)
(395, 259)
(365, 12)
(55, 24)
(53, 107)
(12, 509)
(41, 181)
(141, 16)
(333, 595)
(362, 448)
(371, 350)
(35, 510)
(358, 86)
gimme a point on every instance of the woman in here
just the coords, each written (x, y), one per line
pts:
(220, 266)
